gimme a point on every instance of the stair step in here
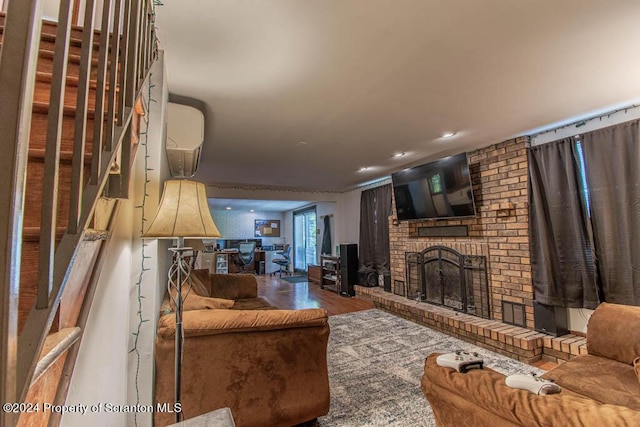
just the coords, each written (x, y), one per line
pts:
(48, 35)
(32, 234)
(39, 129)
(37, 155)
(34, 190)
(45, 64)
(43, 90)
(35, 187)
(69, 110)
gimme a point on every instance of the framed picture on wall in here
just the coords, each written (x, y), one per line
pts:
(267, 228)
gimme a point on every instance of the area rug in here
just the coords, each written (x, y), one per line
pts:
(295, 279)
(376, 361)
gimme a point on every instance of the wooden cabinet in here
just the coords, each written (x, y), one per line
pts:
(222, 263)
(314, 273)
(330, 273)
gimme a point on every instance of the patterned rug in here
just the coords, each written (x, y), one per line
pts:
(376, 361)
(295, 279)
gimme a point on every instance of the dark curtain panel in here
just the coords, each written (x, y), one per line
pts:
(561, 258)
(326, 236)
(612, 160)
(375, 209)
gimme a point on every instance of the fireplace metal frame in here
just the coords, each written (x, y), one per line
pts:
(473, 279)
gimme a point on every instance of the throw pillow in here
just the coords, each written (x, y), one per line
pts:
(192, 301)
(199, 282)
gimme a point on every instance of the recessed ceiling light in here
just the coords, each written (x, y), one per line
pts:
(252, 210)
(228, 208)
(364, 168)
(301, 143)
(448, 134)
(399, 154)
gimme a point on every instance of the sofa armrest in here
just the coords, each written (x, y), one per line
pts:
(269, 367)
(211, 322)
(233, 286)
(493, 401)
(613, 331)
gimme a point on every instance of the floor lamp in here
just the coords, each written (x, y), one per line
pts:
(183, 213)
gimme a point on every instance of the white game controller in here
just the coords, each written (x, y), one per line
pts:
(533, 383)
(461, 361)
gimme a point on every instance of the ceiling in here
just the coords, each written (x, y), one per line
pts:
(304, 93)
(256, 205)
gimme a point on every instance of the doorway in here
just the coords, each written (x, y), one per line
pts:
(305, 226)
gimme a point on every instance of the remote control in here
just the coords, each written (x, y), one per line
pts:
(461, 361)
(533, 383)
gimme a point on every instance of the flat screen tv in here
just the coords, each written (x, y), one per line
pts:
(436, 190)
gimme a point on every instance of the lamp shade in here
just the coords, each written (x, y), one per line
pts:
(183, 212)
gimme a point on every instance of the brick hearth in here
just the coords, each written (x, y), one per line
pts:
(512, 341)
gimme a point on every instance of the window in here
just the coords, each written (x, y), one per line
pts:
(435, 184)
(583, 176)
(305, 227)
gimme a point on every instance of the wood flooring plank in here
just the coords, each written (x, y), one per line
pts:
(293, 296)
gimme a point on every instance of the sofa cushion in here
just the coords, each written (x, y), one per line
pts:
(253, 304)
(600, 379)
(611, 338)
(233, 286)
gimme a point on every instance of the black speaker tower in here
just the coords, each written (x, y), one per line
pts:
(550, 320)
(348, 268)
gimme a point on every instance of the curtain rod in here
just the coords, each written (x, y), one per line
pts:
(580, 123)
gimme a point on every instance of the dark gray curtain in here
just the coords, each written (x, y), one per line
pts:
(375, 209)
(326, 236)
(561, 255)
(612, 159)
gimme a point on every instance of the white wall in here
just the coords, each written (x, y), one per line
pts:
(100, 373)
(153, 281)
(577, 319)
(344, 206)
(106, 371)
(241, 224)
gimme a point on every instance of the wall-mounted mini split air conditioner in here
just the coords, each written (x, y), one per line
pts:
(185, 135)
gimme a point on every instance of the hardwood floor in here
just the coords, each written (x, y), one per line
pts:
(291, 296)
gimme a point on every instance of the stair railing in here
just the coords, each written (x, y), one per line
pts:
(126, 50)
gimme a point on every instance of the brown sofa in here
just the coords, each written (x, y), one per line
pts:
(599, 389)
(268, 365)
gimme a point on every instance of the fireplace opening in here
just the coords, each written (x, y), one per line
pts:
(442, 276)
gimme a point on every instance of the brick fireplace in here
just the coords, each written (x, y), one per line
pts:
(499, 231)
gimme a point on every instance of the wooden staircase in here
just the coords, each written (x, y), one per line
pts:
(53, 321)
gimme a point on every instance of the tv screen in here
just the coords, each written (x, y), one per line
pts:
(440, 189)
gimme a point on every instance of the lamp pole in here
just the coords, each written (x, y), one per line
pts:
(179, 269)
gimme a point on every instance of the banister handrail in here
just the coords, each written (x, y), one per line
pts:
(17, 84)
(125, 56)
